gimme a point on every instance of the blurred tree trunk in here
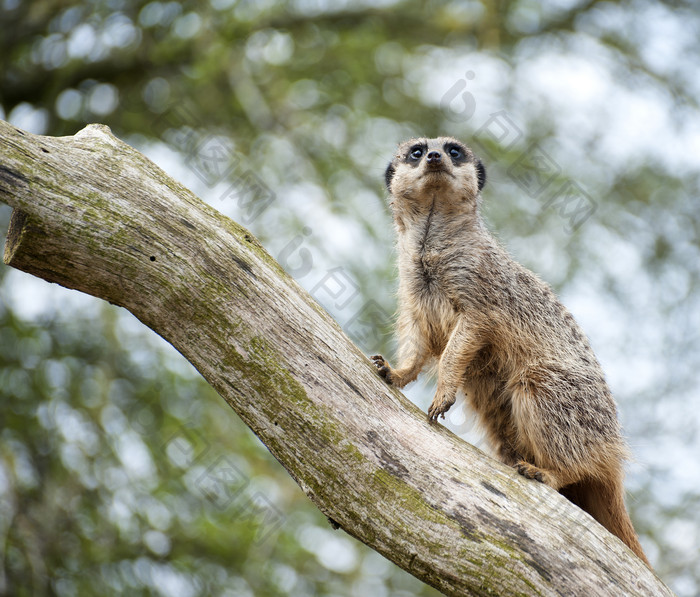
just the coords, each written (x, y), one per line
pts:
(93, 214)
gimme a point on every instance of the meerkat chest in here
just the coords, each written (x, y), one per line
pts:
(427, 261)
(425, 288)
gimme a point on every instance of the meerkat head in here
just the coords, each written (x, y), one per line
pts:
(425, 168)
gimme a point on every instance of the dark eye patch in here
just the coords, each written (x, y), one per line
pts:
(416, 152)
(456, 152)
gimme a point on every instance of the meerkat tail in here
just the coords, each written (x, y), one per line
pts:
(604, 501)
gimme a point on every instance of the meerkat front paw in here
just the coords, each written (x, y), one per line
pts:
(383, 368)
(440, 405)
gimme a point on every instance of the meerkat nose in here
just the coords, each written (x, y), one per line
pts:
(434, 157)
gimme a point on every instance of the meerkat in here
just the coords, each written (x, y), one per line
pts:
(498, 332)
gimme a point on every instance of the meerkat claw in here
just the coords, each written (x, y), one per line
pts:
(530, 472)
(434, 414)
(382, 367)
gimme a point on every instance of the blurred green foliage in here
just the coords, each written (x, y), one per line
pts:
(122, 472)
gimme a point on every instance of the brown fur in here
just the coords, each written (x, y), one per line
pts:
(497, 332)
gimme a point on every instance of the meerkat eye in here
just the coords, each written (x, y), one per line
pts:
(416, 153)
(455, 152)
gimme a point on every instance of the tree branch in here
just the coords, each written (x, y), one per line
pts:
(93, 214)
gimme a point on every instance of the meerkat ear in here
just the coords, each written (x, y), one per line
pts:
(389, 174)
(480, 173)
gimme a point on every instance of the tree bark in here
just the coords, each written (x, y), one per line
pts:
(93, 214)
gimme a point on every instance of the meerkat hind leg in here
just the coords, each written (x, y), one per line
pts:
(546, 476)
